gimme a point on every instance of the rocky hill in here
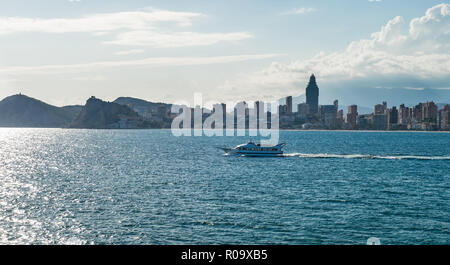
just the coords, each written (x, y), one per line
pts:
(141, 106)
(22, 111)
(98, 114)
(156, 114)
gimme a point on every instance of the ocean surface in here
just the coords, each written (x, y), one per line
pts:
(148, 187)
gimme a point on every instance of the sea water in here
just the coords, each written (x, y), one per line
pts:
(148, 187)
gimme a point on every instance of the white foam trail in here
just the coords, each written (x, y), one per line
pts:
(361, 156)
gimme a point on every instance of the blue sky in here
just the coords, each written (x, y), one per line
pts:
(63, 51)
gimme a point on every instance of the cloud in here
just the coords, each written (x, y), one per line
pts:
(178, 39)
(154, 61)
(128, 52)
(399, 55)
(138, 20)
(138, 28)
(299, 11)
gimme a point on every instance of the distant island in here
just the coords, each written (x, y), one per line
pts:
(132, 113)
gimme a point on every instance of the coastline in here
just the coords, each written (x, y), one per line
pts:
(288, 130)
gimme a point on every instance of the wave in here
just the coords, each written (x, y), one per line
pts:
(361, 156)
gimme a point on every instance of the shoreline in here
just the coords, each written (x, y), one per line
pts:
(288, 130)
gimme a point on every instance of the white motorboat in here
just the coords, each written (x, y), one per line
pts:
(252, 149)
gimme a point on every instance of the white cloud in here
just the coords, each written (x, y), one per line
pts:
(154, 61)
(137, 20)
(139, 28)
(415, 88)
(178, 39)
(90, 78)
(299, 11)
(433, 26)
(397, 53)
(128, 52)
(100, 33)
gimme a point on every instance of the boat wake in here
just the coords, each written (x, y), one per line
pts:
(361, 156)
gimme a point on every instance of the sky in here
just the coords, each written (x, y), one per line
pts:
(361, 51)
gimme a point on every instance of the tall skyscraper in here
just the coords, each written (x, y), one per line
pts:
(403, 115)
(340, 118)
(392, 118)
(259, 108)
(312, 95)
(303, 109)
(429, 112)
(351, 116)
(379, 109)
(289, 104)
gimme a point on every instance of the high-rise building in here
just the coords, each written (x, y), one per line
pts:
(259, 108)
(328, 114)
(351, 116)
(364, 121)
(303, 109)
(353, 109)
(379, 109)
(340, 119)
(379, 121)
(241, 113)
(312, 95)
(220, 107)
(429, 112)
(224, 115)
(392, 117)
(282, 109)
(289, 104)
(417, 112)
(403, 115)
(445, 117)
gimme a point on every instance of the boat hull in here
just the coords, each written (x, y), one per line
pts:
(258, 155)
(252, 149)
(253, 154)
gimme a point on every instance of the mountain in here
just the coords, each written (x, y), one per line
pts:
(157, 115)
(74, 110)
(98, 114)
(139, 105)
(23, 111)
(135, 101)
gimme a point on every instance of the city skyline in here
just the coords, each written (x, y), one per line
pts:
(161, 51)
(424, 116)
